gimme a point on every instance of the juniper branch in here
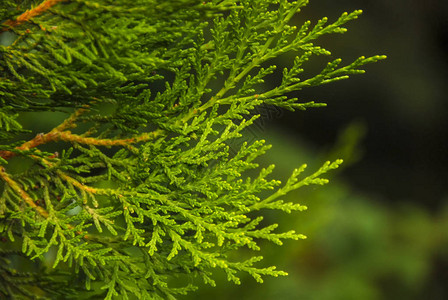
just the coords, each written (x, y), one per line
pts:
(181, 81)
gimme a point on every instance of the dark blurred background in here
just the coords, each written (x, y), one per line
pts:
(403, 100)
(379, 230)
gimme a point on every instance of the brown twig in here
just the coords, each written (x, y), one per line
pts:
(29, 14)
(70, 121)
(60, 133)
(27, 198)
(67, 136)
(48, 137)
(16, 188)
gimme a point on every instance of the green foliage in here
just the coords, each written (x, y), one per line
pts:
(144, 188)
(358, 245)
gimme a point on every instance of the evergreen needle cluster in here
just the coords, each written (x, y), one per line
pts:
(144, 193)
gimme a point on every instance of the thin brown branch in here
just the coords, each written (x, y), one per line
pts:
(48, 137)
(67, 136)
(16, 188)
(70, 121)
(29, 14)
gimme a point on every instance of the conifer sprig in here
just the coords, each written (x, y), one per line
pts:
(144, 188)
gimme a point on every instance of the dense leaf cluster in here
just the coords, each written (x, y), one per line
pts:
(145, 188)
